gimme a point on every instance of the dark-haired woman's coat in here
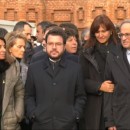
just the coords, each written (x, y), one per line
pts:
(93, 68)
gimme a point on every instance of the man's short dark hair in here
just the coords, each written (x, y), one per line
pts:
(44, 24)
(19, 26)
(70, 32)
(2, 39)
(50, 26)
(57, 31)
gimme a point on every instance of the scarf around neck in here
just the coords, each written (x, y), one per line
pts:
(3, 66)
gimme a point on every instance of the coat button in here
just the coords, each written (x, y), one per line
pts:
(54, 84)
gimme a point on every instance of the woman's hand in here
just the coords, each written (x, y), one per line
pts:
(107, 86)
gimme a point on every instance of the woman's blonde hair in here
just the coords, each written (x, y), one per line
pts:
(10, 41)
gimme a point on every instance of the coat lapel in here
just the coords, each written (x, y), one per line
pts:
(88, 55)
(62, 64)
(47, 66)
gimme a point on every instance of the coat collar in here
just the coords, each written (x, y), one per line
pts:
(88, 54)
(46, 65)
(62, 62)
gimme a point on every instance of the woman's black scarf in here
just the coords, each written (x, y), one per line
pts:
(3, 66)
(101, 51)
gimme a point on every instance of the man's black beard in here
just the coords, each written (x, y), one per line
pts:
(55, 58)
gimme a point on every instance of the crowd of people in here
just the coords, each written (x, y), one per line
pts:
(60, 80)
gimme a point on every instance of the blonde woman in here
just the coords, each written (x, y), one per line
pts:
(13, 92)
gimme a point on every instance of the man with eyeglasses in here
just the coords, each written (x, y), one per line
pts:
(117, 104)
(39, 54)
(55, 95)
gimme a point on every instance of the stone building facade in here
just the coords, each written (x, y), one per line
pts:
(79, 12)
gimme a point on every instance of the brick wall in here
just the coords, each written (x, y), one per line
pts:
(80, 12)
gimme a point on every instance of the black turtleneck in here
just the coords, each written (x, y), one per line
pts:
(18, 59)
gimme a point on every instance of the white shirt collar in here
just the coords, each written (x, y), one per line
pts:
(54, 61)
(128, 52)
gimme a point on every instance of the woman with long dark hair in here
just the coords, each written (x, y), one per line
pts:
(103, 38)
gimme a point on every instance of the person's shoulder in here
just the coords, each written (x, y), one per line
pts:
(40, 53)
(38, 48)
(36, 64)
(72, 61)
(38, 56)
(72, 57)
(73, 66)
(42, 58)
(116, 50)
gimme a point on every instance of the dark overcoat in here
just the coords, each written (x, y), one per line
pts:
(93, 61)
(117, 105)
(55, 97)
(93, 80)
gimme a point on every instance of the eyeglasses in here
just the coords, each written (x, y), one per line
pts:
(120, 35)
(54, 44)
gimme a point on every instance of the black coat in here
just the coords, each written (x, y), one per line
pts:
(56, 98)
(117, 105)
(93, 76)
(92, 114)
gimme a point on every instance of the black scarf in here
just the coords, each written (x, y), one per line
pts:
(3, 66)
(101, 51)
